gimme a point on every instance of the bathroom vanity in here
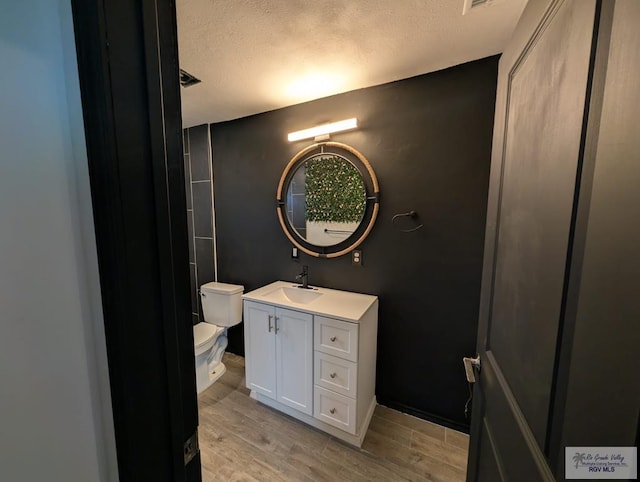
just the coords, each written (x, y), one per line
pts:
(311, 353)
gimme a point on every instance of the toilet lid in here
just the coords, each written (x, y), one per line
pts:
(204, 332)
(221, 288)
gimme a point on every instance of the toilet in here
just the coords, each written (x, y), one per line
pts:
(222, 308)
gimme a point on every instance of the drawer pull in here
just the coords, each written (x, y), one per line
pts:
(333, 338)
(333, 410)
(333, 375)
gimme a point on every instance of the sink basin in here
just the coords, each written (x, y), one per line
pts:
(293, 294)
(338, 304)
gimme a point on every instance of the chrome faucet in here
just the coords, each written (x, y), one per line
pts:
(304, 277)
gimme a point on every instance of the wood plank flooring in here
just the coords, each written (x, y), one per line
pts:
(242, 440)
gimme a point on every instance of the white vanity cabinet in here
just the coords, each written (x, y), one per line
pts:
(314, 360)
(278, 354)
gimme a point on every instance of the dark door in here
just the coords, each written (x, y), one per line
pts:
(128, 70)
(549, 106)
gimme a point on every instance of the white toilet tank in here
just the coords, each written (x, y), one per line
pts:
(221, 303)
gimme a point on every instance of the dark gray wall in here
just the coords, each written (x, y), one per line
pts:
(197, 167)
(428, 139)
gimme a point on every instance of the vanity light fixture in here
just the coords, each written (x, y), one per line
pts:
(324, 129)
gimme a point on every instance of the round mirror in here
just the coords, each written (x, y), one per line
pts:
(328, 199)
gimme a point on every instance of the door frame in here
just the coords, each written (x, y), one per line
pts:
(129, 79)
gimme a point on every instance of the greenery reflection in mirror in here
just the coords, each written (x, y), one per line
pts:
(326, 203)
(326, 199)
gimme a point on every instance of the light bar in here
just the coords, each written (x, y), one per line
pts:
(324, 129)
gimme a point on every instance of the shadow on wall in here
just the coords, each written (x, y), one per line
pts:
(428, 139)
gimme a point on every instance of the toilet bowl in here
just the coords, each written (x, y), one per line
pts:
(222, 308)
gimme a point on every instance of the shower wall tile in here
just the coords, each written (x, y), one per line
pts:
(199, 212)
(204, 257)
(194, 288)
(297, 182)
(192, 255)
(199, 153)
(187, 180)
(202, 219)
(187, 166)
(298, 213)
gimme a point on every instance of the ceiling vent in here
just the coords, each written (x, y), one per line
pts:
(476, 4)
(187, 80)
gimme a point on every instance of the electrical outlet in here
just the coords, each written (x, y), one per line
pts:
(356, 257)
(294, 253)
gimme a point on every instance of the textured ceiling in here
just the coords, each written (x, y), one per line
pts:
(257, 55)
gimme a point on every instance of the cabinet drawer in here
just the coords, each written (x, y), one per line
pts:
(335, 374)
(335, 409)
(335, 337)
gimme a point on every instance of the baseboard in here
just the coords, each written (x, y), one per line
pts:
(429, 417)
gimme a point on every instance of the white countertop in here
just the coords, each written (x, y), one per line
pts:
(343, 305)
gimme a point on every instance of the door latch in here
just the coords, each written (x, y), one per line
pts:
(469, 364)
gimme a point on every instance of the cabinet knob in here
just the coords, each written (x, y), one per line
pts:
(333, 338)
(333, 375)
(333, 410)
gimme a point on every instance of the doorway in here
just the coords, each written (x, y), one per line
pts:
(132, 120)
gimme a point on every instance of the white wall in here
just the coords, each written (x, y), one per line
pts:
(315, 232)
(55, 412)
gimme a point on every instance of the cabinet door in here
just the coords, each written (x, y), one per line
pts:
(260, 348)
(294, 346)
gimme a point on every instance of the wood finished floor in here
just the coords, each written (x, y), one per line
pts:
(242, 440)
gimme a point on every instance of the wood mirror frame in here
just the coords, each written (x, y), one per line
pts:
(371, 209)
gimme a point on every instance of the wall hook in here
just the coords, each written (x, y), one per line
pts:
(409, 214)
